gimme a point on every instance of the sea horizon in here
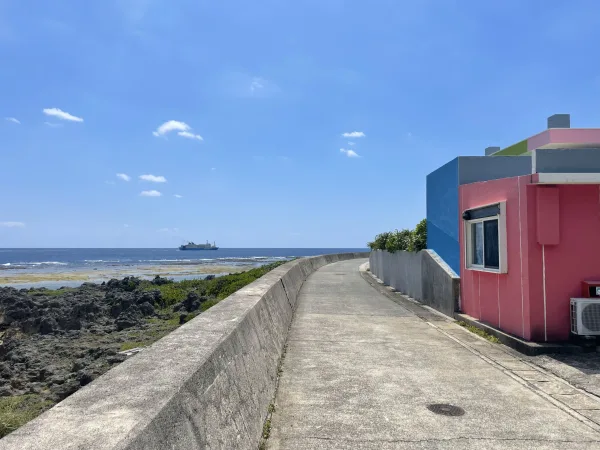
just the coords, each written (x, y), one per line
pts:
(69, 267)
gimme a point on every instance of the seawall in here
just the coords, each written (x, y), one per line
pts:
(206, 385)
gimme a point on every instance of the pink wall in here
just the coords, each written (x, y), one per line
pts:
(515, 301)
(576, 257)
(497, 299)
(564, 136)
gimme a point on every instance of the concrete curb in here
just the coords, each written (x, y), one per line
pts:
(208, 384)
(526, 347)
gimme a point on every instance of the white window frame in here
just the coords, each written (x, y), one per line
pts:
(502, 247)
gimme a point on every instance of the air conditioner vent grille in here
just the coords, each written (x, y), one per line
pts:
(590, 316)
(574, 317)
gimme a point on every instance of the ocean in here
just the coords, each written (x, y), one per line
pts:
(56, 267)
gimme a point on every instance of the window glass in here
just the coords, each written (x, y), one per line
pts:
(492, 253)
(477, 243)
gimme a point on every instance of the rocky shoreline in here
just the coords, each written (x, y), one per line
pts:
(29, 278)
(52, 342)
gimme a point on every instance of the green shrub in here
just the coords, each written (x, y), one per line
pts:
(419, 240)
(403, 240)
(380, 241)
(216, 288)
(399, 241)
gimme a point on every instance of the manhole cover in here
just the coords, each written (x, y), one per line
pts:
(446, 410)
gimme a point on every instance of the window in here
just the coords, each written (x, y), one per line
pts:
(485, 232)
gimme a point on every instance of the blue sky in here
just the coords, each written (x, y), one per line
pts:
(270, 87)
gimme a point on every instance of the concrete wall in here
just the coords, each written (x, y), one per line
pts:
(575, 160)
(402, 271)
(206, 385)
(423, 276)
(472, 169)
(441, 285)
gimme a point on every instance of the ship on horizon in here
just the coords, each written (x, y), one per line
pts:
(192, 246)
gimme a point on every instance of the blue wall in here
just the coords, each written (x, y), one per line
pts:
(442, 213)
(442, 197)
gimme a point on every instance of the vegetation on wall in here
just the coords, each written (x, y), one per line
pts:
(403, 240)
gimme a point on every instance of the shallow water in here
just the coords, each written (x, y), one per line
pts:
(53, 268)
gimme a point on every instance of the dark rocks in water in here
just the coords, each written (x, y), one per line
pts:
(193, 301)
(53, 342)
(126, 301)
(5, 391)
(115, 359)
(69, 323)
(16, 309)
(48, 325)
(115, 310)
(62, 391)
(147, 309)
(128, 284)
(131, 317)
(84, 377)
(159, 281)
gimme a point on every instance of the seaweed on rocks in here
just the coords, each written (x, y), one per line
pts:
(53, 342)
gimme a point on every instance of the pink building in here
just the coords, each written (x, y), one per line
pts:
(528, 242)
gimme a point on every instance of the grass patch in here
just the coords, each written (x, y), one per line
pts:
(267, 429)
(129, 345)
(18, 410)
(50, 292)
(479, 332)
(216, 288)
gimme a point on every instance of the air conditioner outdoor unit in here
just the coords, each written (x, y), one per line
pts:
(585, 316)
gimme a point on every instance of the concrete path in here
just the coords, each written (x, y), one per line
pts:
(360, 371)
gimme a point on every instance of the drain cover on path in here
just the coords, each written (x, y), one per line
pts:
(446, 410)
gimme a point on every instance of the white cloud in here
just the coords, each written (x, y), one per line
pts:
(153, 178)
(171, 125)
(187, 134)
(177, 196)
(247, 85)
(349, 153)
(168, 230)
(126, 226)
(152, 193)
(53, 125)
(257, 84)
(352, 143)
(62, 115)
(354, 134)
(13, 120)
(182, 128)
(123, 176)
(12, 224)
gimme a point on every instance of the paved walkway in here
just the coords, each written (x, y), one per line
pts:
(360, 370)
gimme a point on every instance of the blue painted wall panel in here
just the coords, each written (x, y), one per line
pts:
(442, 213)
